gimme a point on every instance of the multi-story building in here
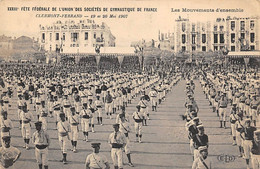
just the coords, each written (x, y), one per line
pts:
(233, 34)
(166, 41)
(243, 33)
(16, 48)
(187, 36)
(72, 37)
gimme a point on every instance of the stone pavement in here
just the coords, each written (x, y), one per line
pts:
(165, 142)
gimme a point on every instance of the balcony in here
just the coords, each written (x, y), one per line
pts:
(100, 40)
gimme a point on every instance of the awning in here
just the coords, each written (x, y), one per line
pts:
(100, 54)
(244, 54)
(104, 51)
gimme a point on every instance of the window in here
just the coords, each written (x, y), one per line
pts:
(252, 24)
(193, 48)
(63, 36)
(242, 35)
(221, 28)
(252, 47)
(252, 37)
(50, 47)
(183, 38)
(86, 35)
(242, 25)
(215, 38)
(221, 47)
(183, 27)
(57, 36)
(232, 25)
(43, 36)
(101, 36)
(215, 48)
(203, 38)
(193, 28)
(57, 48)
(50, 36)
(183, 48)
(233, 48)
(95, 35)
(74, 37)
(204, 48)
(221, 37)
(193, 39)
(215, 28)
(233, 38)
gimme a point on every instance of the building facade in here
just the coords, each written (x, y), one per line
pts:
(72, 37)
(18, 48)
(233, 34)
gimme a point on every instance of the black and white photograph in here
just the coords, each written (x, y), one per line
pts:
(120, 84)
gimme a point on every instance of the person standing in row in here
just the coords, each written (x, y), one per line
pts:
(99, 105)
(222, 104)
(256, 150)
(143, 103)
(199, 162)
(92, 108)
(74, 122)
(5, 124)
(253, 112)
(63, 128)
(26, 118)
(85, 115)
(233, 119)
(153, 95)
(117, 140)
(125, 128)
(8, 154)
(138, 118)
(95, 160)
(108, 104)
(248, 137)
(41, 140)
(200, 139)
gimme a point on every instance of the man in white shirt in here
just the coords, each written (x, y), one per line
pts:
(63, 128)
(117, 140)
(41, 140)
(8, 154)
(96, 160)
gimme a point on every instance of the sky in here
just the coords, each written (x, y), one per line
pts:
(137, 25)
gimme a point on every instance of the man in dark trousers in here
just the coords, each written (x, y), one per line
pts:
(256, 150)
(248, 136)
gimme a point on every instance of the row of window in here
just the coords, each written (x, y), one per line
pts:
(74, 36)
(203, 48)
(183, 48)
(242, 25)
(221, 38)
(221, 27)
(233, 48)
(242, 36)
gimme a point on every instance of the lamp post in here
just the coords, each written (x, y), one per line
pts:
(97, 50)
(140, 50)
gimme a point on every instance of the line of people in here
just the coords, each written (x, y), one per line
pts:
(199, 141)
(78, 102)
(224, 89)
